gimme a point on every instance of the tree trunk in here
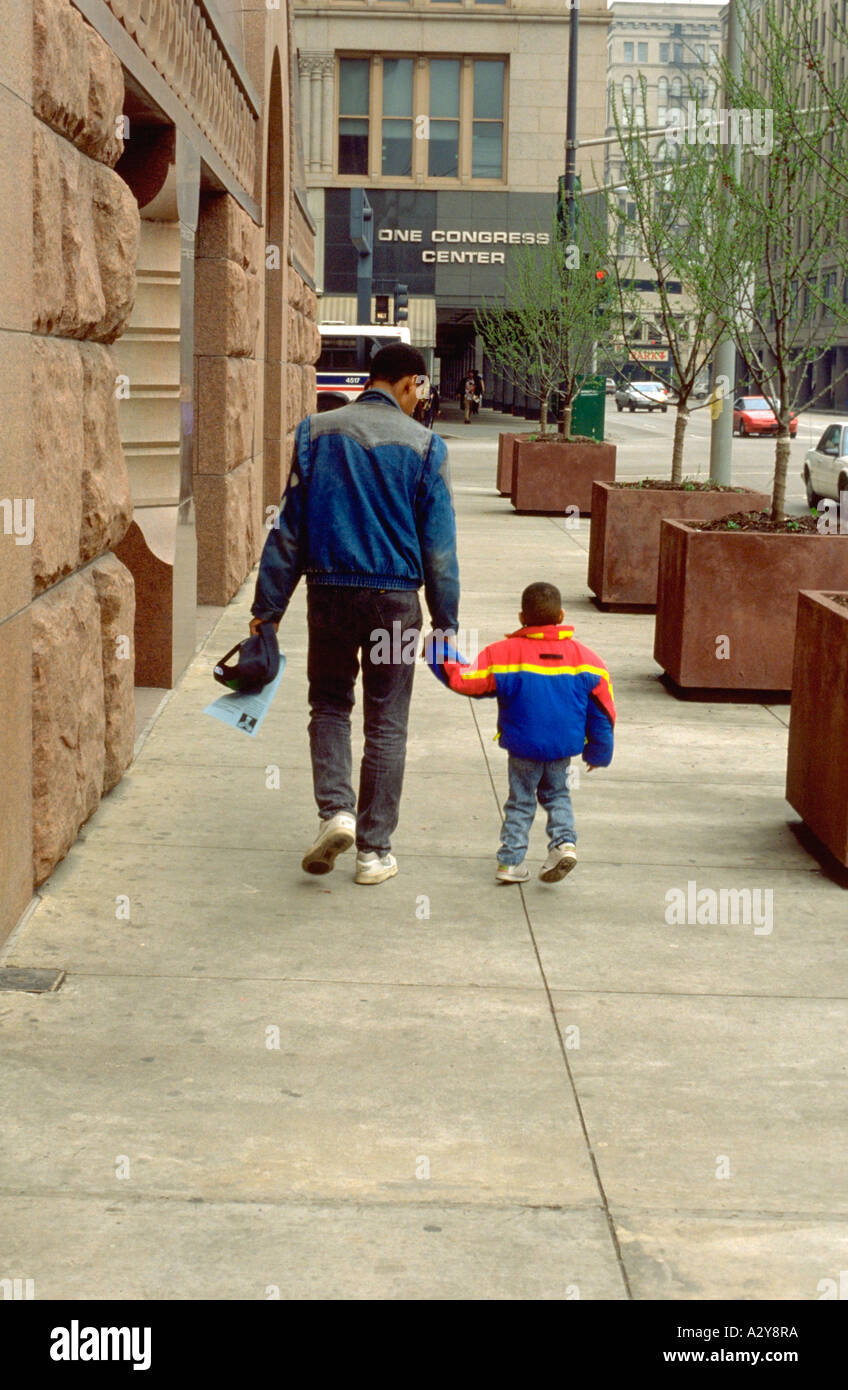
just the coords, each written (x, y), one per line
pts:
(565, 429)
(781, 468)
(681, 420)
(543, 416)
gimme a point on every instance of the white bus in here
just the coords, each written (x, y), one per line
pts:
(340, 378)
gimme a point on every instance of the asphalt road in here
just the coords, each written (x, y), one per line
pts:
(646, 442)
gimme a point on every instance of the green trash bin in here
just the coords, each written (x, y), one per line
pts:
(588, 409)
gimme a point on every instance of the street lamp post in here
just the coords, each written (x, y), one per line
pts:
(362, 236)
(571, 124)
(724, 360)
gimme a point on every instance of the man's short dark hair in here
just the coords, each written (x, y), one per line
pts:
(397, 360)
(541, 603)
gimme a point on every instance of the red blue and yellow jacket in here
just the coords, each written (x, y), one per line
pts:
(554, 695)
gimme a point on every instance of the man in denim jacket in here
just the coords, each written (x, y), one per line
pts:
(368, 517)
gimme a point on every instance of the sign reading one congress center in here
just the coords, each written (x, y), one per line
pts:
(446, 243)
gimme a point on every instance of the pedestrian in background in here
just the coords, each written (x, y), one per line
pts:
(432, 406)
(467, 392)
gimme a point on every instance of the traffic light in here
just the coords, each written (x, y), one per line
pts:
(560, 205)
(381, 308)
(562, 216)
(361, 222)
(401, 303)
(602, 291)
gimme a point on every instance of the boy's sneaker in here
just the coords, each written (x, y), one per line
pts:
(560, 861)
(512, 873)
(372, 867)
(334, 836)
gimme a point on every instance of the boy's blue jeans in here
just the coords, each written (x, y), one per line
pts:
(529, 782)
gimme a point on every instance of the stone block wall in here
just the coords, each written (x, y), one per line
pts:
(69, 236)
(303, 347)
(229, 456)
(228, 447)
(81, 609)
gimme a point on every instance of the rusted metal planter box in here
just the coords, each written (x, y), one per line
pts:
(506, 455)
(550, 477)
(624, 541)
(727, 603)
(817, 762)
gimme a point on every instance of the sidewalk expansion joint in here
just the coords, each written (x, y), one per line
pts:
(611, 1227)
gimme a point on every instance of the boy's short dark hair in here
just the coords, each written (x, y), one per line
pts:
(397, 360)
(541, 603)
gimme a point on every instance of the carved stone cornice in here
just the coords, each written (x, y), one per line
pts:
(321, 64)
(179, 39)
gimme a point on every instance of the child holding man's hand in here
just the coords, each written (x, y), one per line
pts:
(555, 700)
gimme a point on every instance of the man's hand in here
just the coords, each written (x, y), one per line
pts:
(256, 623)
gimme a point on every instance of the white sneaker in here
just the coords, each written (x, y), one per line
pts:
(560, 861)
(512, 873)
(372, 867)
(334, 836)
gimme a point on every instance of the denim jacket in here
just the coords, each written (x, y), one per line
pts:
(368, 503)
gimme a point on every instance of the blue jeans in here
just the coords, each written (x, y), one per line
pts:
(530, 781)
(341, 620)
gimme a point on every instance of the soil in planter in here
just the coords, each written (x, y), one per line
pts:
(554, 438)
(760, 521)
(688, 485)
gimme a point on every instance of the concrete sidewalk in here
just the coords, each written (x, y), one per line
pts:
(438, 1087)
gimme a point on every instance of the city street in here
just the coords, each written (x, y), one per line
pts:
(648, 441)
(255, 1083)
(645, 446)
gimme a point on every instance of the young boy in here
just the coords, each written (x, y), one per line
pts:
(555, 701)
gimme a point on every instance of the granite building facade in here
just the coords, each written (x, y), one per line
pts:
(157, 330)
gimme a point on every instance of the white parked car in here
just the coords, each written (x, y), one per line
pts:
(642, 395)
(825, 471)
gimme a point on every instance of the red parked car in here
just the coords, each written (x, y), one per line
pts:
(754, 415)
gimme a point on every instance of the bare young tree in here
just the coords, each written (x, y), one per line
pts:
(662, 209)
(781, 301)
(542, 336)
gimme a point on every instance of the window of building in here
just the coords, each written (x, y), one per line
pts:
(699, 52)
(444, 118)
(397, 116)
(408, 118)
(627, 91)
(642, 52)
(664, 51)
(354, 83)
(628, 51)
(713, 52)
(487, 127)
(662, 100)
